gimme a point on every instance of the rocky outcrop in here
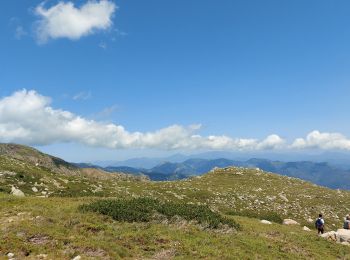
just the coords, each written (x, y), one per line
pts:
(341, 236)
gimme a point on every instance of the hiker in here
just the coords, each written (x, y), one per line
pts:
(347, 222)
(319, 224)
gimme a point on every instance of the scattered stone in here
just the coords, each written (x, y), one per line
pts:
(290, 222)
(265, 222)
(305, 228)
(17, 192)
(78, 257)
(41, 256)
(284, 198)
(10, 255)
(310, 220)
(35, 189)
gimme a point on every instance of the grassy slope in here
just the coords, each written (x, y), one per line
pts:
(54, 226)
(234, 189)
(62, 231)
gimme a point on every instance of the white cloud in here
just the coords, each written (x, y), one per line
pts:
(318, 140)
(64, 20)
(106, 112)
(20, 32)
(84, 95)
(272, 142)
(27, 117)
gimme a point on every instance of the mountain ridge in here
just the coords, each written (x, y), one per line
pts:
(321, 173)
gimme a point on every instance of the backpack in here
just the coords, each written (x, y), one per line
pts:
(347, 225)
(318, 223)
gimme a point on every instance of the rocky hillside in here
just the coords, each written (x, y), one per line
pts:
(233, 190)
(42, 197)
(28, 171)
(29, 155)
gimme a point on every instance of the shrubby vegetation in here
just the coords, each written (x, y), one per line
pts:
(144, 210)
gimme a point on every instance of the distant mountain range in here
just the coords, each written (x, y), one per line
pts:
(335, 158)
(321, 173)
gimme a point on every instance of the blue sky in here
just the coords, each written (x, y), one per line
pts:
(241, 69)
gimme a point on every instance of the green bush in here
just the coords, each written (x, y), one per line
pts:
(270, 216)
(144, 209)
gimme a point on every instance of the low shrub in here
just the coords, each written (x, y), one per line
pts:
(144, 209)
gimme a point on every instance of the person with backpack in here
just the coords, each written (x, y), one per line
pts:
(347, 222)
(319, 224)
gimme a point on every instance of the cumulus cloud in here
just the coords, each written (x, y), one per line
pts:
(271, 142)
(27, 117)
(65, 20)
(318, 140)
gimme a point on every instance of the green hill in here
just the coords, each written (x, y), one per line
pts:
(49, 219)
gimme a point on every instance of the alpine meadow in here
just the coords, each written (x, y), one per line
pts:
(160, 130)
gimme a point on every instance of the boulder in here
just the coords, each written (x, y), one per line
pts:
(305, 228)
(265, 222)
(331, 235)
(34, 189)
(288, 221)
(17, 192)
(343, 235)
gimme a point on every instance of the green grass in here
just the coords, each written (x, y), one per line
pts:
(56, 227)
(129, 228)
(144, 210)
